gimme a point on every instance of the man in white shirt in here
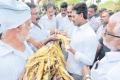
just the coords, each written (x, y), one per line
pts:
(62, 18)
(70, 24)
(48, 21)
(105, 15)
(38, 36)
(108, 68)
(93, 21)
(36, 28)
(83, 43)
(15, 22)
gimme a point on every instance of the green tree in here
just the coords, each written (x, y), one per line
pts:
(111, 5)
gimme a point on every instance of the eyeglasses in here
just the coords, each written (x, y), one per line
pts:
(108, 33)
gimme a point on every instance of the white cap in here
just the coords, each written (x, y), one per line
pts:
(12, 14)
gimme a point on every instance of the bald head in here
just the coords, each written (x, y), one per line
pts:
(114, 23)
(115, 17)
(112, 36)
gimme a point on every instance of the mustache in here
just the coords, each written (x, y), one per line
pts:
(69, 16)
(38, 18)
(63, 13)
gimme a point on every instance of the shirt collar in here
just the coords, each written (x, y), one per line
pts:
(113, 56)
(46, 16)
(5, 49)
(83, 26)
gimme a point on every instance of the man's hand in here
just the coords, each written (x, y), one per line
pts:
(72, 50)
(35, 42)
(56, 31)
(51, 38)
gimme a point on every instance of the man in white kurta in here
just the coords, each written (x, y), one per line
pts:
(62, 18)
(108, 67)
(12, 59)
(83, 43)
(105, 15)
(48, 21)
(62, 22)
(93, 20)
(38, 33)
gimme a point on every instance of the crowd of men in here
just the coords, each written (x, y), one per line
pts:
(94, 51)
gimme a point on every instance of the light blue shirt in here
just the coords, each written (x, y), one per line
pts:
(100, 31)
(70, 28)
(63, 22)
(84, 41)
(108, 68)
(47, 23)
(94, 23)
(12, 62)
(38, 34)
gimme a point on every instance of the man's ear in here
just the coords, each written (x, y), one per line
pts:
(82, 15)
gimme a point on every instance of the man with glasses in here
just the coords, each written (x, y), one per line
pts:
(108, 67)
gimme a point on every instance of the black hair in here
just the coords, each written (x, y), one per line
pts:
(94, 7)
(31, 5)
(64, 5)
(109, 12)
(81, 8)
(101, 10)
